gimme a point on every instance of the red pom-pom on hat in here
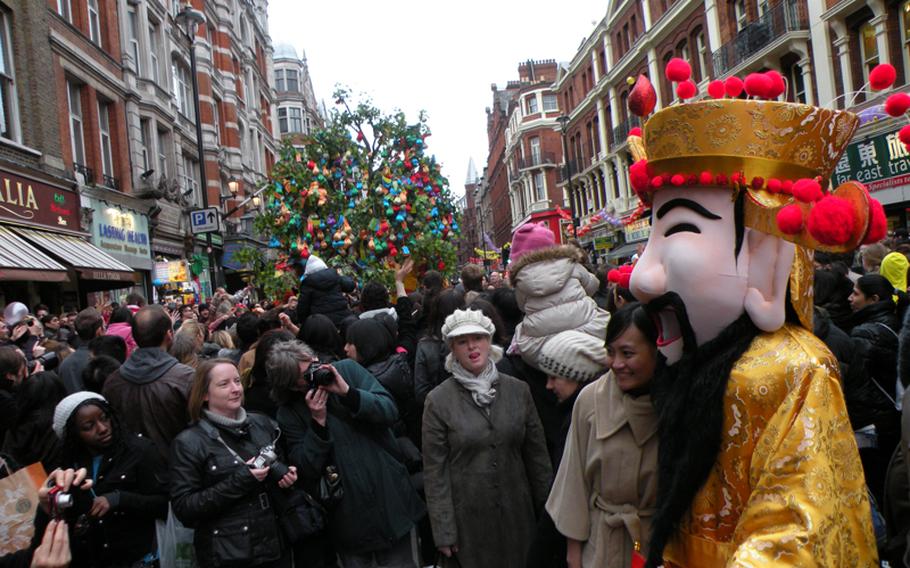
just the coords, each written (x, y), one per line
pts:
(786, 186)
(777, 84)
(706, 178)
(639, 177)
(716, 89)
(686, 90)
(678, 179)
(625, 279)
(757, 85)
(757, 182)
(721, 179)
(626, 269)
(678, 70)
(831, 221)
(882, 76)
(807, 190)
(897, 104)
(657, 182)
(733, 86)
(790, 220)
(635, 132)
(613, 276)
(878, 223)
(774, 185)
(904, 135)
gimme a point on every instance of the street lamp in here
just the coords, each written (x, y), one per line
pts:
(563, 130)
(234, 186)
(257, 201)
(190, 19)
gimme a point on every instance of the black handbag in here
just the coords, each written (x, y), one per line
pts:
(331, 490)
(301, 516)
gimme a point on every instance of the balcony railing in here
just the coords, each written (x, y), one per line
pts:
(110, 181)
(783, 18)
(573, 167)
(621, 132)
(87, 174)
(545, 158)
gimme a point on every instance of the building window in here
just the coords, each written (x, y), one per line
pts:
(868, 48)
(539, 188)
(763, 8)
(153, 52)
(132, 18)
(216, 114)
(293, 80)
(307, 125)
(550, 103)
(534, 143)
(9, 116)
(144, 144)
(182, 92)
(74, 101)
(163, 145)
(94, 22)
(532, 104)
(65, 9)
(104, 133)
(799, 85)
(682, 50)
(190, 181)
(701, 48)
(740, 14)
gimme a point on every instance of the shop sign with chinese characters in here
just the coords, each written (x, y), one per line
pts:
(879, 162)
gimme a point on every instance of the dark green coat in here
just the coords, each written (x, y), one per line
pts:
(379, 506)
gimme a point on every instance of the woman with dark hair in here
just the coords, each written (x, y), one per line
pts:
(609, 469)
(257, 386)
(500, 337)
(372, 344)
(31, 439)
(503, 299)
(870, 387)
(322, 336)
(99, 368)
(832, 291)
(120, 325)
(619, 297)
(114, 523)
(214, 487)
(429, 367)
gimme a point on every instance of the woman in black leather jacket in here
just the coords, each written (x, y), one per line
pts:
(231, 506)
(870, 387)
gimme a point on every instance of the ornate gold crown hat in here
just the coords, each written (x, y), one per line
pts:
(779, 154)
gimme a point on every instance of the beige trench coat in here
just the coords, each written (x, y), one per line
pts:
(606, 488)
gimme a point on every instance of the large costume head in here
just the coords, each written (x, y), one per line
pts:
(740, 197)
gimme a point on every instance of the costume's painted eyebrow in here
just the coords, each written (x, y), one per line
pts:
(688, 204)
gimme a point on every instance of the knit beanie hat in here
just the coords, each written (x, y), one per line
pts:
(467, 322)
(530, 237)
(14, 313)
(67, 406)
(314, 264)
(573, 355)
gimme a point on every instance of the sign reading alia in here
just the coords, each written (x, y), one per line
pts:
(29, 201)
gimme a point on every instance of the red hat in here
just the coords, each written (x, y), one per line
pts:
(530, 237)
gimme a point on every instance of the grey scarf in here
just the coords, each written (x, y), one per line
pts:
(483, 386)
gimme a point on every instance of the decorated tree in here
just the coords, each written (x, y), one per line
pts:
(363, 195)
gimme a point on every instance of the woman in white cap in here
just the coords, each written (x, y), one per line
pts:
(486, 467)
(113, 524)
(605, 490)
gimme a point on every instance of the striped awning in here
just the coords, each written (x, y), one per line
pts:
(91, 262)
(19, 260)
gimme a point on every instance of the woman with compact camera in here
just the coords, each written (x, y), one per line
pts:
(224, 475)
(337, 420)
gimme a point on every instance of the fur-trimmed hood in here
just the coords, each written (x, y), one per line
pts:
(569, 252)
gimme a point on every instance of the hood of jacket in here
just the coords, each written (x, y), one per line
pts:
(373, 313)
(146, 365)
(546, 271)
(323, 280)
(120, 328)
(314, 264)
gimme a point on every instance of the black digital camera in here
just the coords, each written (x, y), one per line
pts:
(49, 361)
(319, 375)
(267, 457)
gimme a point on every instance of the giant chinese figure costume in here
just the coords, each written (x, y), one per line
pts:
(758, 464)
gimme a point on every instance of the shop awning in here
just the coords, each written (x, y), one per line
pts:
(91, 262)
(21, 261)
(623, 251)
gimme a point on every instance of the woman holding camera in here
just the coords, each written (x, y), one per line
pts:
(114, 523)
(339, 415)
(217, 485)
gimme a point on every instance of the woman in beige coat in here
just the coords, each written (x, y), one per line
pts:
(605, 491)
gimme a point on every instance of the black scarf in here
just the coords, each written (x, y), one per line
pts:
(689, 399)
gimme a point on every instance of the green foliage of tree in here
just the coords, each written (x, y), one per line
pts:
(265, 276)
(363, 195)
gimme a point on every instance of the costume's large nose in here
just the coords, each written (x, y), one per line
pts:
(649, 278)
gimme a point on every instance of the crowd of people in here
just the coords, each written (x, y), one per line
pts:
(503, 421)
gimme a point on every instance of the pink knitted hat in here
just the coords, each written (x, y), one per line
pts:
(530, 237)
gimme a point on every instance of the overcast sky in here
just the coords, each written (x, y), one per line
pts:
(437, 56)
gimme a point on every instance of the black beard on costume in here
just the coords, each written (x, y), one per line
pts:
(689, 397)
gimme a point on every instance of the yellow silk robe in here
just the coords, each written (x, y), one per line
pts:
(788, 486)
